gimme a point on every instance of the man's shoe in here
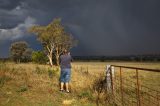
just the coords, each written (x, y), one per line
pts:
(61, 90)
(68, 92)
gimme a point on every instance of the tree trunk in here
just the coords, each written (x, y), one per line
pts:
(57, 60)
(50, 60)
(57, 56)
(18, 61)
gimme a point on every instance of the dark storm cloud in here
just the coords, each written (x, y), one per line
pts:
(17, 32)
(103, 27)
(8, 4)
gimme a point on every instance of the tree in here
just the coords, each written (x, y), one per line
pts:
(39, 57)
(63, 42)
(26, 57)
(20, 51)
(52, 38)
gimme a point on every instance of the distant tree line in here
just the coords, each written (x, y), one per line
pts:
(54, 40)
(40, 57)
(133, 58)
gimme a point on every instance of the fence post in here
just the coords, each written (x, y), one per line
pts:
(121, 85)
(111, 77)
(138, 89)
(108, 77)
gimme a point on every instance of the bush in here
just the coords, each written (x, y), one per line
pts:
(39, 57)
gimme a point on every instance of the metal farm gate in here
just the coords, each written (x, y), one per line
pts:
(131, 86)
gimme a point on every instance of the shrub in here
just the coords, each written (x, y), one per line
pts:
(39, 57)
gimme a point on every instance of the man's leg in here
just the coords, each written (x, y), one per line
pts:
(67, 86)
(62, 86)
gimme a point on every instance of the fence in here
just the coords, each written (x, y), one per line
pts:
(133, 86)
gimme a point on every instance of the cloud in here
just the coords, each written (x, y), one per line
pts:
(11, 17)
(17, 32)
(9, 4)
(102, 27)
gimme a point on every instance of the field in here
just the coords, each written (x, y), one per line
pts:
(32, 84)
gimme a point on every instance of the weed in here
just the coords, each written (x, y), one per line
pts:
(4, 79)
(3, 67)
(22, 88)
(86, 94)
(40, 71)
(52, 72)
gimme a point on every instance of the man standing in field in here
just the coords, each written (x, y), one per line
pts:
(65, 65)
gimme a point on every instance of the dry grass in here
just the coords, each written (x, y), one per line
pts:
(149, 81)
(33, 84)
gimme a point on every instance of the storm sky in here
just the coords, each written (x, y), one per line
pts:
(102, 27)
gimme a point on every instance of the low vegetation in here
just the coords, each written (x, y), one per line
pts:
(33, 84)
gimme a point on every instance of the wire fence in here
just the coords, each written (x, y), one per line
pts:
(129, 86)
(133, 89)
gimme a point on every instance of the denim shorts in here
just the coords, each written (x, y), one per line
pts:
(65, 75)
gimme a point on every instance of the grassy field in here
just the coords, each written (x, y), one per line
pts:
(38, 85)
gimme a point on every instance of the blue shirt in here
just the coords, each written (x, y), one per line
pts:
(65, 61)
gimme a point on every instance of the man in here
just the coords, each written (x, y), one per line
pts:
(65, 65)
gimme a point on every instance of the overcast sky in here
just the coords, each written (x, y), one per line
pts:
(102, 27)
